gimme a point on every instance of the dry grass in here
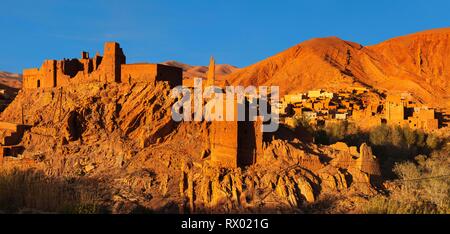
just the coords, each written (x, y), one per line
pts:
(423, 187)
(33, 192)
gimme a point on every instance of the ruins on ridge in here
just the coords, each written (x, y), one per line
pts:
(232, 143)
(111, 67)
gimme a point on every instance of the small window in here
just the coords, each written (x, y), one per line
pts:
(38, 83)
(6, 152)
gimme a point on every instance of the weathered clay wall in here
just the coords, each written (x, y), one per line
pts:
(112, 61)
(48, 74)
(30, 78)
(138, 72)
(44, 77)
(224, 143)
(146, 72)
(249, 142)
(8, 126)
(394, 112)
(224, 139)
(236, 143)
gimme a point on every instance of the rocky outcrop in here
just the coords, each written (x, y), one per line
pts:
(123, 136)
(285, 180)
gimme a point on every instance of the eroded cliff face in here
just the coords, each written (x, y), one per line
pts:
(122, 138)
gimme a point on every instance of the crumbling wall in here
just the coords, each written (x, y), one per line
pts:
(224, 143)
(75, 71)
(146, 72)
(44, 77)
(236, 143)
(173, 75)
(71, 67)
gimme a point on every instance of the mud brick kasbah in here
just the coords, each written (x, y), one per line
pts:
(347, 128)
(233, 143)
(111, 67)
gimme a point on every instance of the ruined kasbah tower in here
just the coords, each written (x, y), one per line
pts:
(234, 143)
(111, 67)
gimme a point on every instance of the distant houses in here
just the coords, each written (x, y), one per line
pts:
(351, 104)
(402, 111)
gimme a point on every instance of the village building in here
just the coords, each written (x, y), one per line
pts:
(423, 118)
(400, 110)
(394, 110)
(294, 98)
(320, 94)
(350, 104)
(341, 116)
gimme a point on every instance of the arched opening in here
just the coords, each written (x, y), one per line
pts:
(38, 83)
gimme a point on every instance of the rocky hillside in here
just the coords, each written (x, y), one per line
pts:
(10, 84)
(415, 63)
(425, 56)
(120, 139)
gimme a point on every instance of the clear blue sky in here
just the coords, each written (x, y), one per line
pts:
(238, 32)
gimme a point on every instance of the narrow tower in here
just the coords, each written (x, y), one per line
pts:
(211, 76)
(112, 59)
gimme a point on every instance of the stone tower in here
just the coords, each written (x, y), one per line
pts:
(48, 75)
(111, 62)
(211, 76)
(236, 143)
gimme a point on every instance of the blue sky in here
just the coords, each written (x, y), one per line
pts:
(238, 32)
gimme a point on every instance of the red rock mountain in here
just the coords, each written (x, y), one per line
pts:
(10, 81)
(190, 71)
(417, 63)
